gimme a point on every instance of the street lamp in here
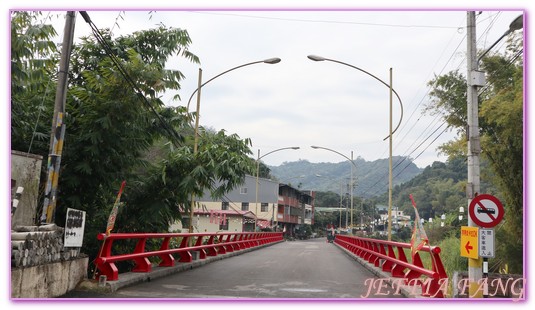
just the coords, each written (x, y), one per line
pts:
(196, 137)
(351, 186)
(258, 174)
(392, 91)
(516, 24)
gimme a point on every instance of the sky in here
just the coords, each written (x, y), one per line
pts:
(298, 102)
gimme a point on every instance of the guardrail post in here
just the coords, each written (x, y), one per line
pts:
(228, 247)
(167, 259)
(435, 287)
(202, 252)
(185, 257)
(142, 263)
(416, 261)
(387, 265)
(397, 271)
(105, 268)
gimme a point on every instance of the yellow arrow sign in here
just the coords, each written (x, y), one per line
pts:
(469, 242)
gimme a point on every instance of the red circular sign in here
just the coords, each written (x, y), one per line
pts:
(486, 210)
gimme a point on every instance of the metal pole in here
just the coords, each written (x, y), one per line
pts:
(58, 128)
(340, 225)
(195, 147)
(257, 180)
(390, 167)
(351, 191)
(474, 265)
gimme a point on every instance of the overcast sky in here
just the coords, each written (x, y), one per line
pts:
(298, 102)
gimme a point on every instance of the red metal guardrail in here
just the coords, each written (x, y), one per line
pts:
(381, 254)
(207, 244)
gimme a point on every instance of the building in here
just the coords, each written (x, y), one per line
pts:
(280, 207)
(237, 211)
(295, 208)
(399, 219)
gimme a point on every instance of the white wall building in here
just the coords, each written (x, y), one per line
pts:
(237, 210)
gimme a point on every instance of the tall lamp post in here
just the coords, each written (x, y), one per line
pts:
(351, 185)
(392, 91)
(258, 175)
(475, 79)
(196, 137)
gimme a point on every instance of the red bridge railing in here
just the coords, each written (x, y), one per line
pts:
(390, 257)
(207, 244)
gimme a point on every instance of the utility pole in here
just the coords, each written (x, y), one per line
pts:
(58, 127)
(475, 79)
(390, 181)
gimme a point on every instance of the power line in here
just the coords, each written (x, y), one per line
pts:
(327, 21)
(175, 138)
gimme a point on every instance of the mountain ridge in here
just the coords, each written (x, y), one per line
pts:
(370, 177)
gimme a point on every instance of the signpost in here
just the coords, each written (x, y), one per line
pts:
(486, 243)
(486, 210)
(74, 228)
(469, 242)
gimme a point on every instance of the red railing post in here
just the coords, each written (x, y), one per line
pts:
(142, 263)
(228, 246)
(185, 256)
(167, 259)
(107, 269)
(397, 271)
(202, 252)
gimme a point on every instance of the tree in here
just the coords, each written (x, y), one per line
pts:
(33, 64)
(501, 125)
(118, 132)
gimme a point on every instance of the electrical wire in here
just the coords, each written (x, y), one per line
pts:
(175, 138)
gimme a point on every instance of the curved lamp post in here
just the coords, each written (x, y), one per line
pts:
(258, 173)
(196, 137)
(351, 186)
(319, 58)
(392, 91)
(266, 61)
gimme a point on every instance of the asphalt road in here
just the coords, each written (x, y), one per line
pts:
(309, 269)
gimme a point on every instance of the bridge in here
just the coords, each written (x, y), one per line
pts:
(264, 266)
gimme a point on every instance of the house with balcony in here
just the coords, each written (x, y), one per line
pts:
(295, 208)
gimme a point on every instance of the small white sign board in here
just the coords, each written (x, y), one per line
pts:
(486, 242)
(74, 228)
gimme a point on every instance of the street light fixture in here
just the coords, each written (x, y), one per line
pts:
(392, 91)
(516, 24)
(196, 137)
(258, 174)
(270, 61)
(320, 58)
(351, 186)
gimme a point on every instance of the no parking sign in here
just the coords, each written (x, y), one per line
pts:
(486, 210)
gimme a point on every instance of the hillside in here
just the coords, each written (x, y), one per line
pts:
(371, 177)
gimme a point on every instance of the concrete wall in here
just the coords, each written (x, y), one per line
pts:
(49, 280)
(26, 170)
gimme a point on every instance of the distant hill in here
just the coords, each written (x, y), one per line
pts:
(371, 177)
